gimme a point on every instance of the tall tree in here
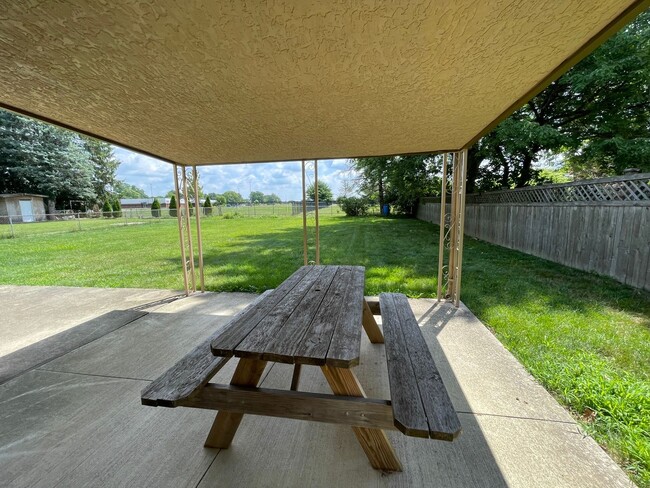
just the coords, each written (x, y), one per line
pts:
(104, 166)
(126, 190)
(399, 180)
(40, 158)
(324, 192)
(232, 197)
(256, 197)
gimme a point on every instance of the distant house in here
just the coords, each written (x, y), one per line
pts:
(22, 207)
(142, 202)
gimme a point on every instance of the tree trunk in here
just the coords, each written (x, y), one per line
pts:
(473, 163)
(51, 208)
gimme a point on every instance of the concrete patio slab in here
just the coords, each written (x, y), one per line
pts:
(77, 420)
(32, 313)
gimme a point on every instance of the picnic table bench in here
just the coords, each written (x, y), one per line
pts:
(314, 318)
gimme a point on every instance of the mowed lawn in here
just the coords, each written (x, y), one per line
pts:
(585, 337)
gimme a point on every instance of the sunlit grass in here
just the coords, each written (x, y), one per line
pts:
(585, 337)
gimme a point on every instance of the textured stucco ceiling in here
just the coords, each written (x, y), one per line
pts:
(217, 82)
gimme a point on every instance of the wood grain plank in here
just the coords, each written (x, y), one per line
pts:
(318, 407)
(345, 346)
(225, 425)
(193, 371)
(409, 413)
(441, 415)
(374, 442)
(238, 329)
(282, 345)
(268, 327)
(316, 342)
(370, 325)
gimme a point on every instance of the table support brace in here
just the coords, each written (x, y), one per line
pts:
(374, 442)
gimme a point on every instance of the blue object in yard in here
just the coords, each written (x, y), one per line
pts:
(385, 210)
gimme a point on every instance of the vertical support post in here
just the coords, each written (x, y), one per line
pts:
(460, 225)
(451, 273)
(443, 212)
(197, 203)
(188, 227)
(316, 211)
(11, 225)
(304, 214)
(179, 218)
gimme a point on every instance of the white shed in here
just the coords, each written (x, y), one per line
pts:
(21, 207)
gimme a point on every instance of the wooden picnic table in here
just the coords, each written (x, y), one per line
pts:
(315, 318)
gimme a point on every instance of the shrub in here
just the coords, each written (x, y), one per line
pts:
(107, 209)
(117, 208)
(172, 207)
(207, 205)
(155, 208)
(353, 206)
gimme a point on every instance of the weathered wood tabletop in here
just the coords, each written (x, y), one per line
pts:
(313, 317)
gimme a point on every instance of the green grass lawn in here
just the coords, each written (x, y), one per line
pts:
(585, 337)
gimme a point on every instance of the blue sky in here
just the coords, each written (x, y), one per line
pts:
(283, 179)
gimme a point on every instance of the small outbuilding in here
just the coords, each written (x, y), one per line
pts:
(22, 207)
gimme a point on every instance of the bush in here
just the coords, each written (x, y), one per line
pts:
(353, 206)
(207, 205)
(117, 208)
(107, 209)
(172, 207)
(155, 208)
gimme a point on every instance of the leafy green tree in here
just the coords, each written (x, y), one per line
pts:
(325, 194)
(399, 180)
(107, 209)
(232, 197)
(117, 208)
(155, 208)
(272, 198)
(218, 199)
(126, 190)
(353, 206)
(256, 197)
(207, 205)
(104, 166)
(41, 158)
(173, 212)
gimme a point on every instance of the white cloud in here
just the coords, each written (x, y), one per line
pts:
(283, 179)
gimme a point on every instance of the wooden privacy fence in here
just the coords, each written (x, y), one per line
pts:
(600, 225)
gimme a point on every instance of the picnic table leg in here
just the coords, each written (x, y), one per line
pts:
(370, 325)
(224, 427)
(374, 442)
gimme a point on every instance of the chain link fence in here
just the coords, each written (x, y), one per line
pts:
(15, 226)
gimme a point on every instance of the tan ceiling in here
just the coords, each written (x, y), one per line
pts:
(204, 82)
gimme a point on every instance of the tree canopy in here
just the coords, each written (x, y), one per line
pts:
(398, 180)
(324, 192)
(40, 158)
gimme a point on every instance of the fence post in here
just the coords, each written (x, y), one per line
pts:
(11, 225)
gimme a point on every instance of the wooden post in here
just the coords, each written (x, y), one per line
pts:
(461, 223)
(441, 245)
(304, 215)
(374, 442)
(225, 425)
(451, 274)
(195, 177)
(188, 227)
(180, 229)
(316, 211)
